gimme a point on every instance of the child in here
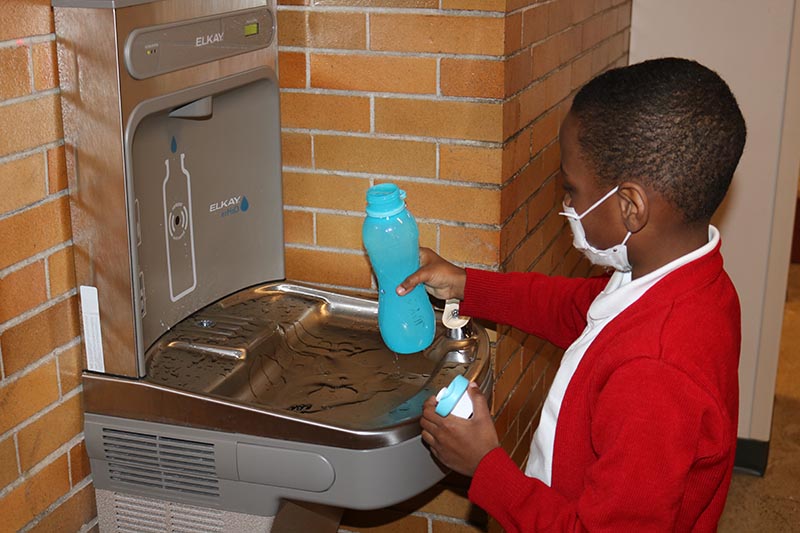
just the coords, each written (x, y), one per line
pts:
(638, 430)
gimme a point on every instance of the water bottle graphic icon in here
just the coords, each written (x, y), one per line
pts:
(179, 229)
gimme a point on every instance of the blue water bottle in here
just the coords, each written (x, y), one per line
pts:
(391, 238)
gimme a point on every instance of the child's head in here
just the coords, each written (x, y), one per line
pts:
(671, 124)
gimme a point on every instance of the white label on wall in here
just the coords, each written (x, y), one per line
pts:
(92, 338)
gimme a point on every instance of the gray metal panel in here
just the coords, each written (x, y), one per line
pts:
(231, 159)
(365, 479)
(93, 132)
(97, 99)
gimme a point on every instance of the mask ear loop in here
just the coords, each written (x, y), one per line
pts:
(600, 201)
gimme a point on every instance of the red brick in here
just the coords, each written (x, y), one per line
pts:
(39, 335)
(71, 515)
(383, 73)
(23, 18)
(292, 67)
(47, 433)
(325, 112)
(8, 462)
(30, 123)
(319, 266)
(22, 182)
(15, 80)
(35, 494)
(21, 399)
(56, 169)
(22, 290)
(437, 34)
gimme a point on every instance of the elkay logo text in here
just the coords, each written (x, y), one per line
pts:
(205, 40)
(230, 206)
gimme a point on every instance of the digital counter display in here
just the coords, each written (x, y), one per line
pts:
(251, 29)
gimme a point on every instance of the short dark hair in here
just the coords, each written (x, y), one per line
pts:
(670, 123)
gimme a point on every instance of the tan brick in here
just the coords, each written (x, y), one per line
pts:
(8, 462)
(325, 112)
(518, 73)
(545, 130)
(39, 335)
(512, 27)
(470, 245)
(451, 202)
(559, 15)
(437, 34)
(476, 5)
(22, 182)
(22, 290)
(292, 67)
(22, 18)
(534, 24)
(596, 29)
(527, 107)
(377, 156)
(339, 231)
(513, 232)
(582, 9)
(70, 367)
(296, 149)
(15, 80)
(419, 4)
(40, 438)
(294, 2)
(318, 266)
(71, 515)
(36, 494)
(62, 272)
(473, 77)
(393, 74)
(30, 123)
(428, 234)
(27, 395)
(383, 521)
(547, 199)
(557, 87)
(56, 169)
(45, 67)
(314, 29)
(545, 57)
(581, 70)
(429, 118)
(298, 227)
(516, 153)
(79, 463)
(470, 163)
(327, 191)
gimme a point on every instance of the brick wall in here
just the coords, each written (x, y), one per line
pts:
(459, 102)
(44, 472)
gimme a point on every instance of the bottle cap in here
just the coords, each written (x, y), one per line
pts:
(385, 200)
(454, 399)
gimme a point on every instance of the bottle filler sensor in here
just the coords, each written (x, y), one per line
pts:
(214, 388)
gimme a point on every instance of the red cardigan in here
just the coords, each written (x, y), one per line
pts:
(646, 434)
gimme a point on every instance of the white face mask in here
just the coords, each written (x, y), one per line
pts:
(615, 257)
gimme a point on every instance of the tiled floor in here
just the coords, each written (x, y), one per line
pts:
(772, 503)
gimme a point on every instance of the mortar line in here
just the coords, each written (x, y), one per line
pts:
(33, 259)
(30, 97)
(397, 137)
(30, 313)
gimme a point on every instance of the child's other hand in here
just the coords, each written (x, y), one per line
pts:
(458, 443)
(442, 279)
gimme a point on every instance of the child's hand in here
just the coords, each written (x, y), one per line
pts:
(458, 443)
(442, 279)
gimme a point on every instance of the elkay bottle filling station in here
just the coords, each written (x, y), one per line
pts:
(214, 388)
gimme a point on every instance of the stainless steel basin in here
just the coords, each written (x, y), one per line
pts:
(294, 362)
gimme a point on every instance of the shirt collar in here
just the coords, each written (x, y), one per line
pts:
(621, 291)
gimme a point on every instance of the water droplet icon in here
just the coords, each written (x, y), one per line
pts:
(174, 145)
(245, 205)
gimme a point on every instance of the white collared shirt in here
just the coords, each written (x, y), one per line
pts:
(619, 293)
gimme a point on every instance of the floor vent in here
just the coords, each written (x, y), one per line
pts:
(137, 515)
(155, 461)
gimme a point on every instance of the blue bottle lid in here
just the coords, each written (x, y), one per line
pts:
(385, 200)
(454, 392)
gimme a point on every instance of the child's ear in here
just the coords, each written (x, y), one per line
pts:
(634, 204)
